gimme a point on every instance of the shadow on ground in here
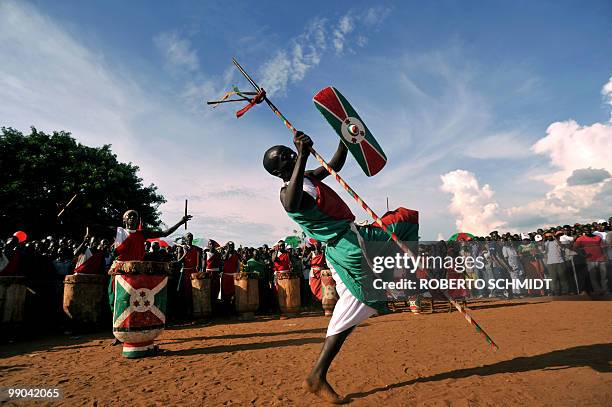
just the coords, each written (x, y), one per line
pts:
(598, 357)
(167, 341)
(241, 347)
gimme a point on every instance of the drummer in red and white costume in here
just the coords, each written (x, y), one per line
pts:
(130, 241)
(213, 267)
(129, 244)
(317, 263)
(90, 260)
(231, 266)
(281, 263)
(191, 258)
(281, 259)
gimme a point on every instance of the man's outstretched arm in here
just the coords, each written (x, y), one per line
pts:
(149, 234)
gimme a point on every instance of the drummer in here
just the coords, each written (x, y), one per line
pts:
(281, 259)
(213, 268)
(190, 257)
(317, 263)
(130, 240)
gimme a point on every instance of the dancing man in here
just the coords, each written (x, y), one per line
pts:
(323, 216)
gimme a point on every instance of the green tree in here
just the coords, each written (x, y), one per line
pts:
(40, 173)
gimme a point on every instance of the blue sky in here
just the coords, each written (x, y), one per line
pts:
(485, 109)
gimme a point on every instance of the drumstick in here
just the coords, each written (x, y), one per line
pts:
(185, 214)
(59, 215)
(180, 279)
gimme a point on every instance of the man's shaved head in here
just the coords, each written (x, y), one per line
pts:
(279, 161)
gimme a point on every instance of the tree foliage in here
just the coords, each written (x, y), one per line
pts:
(40, 173)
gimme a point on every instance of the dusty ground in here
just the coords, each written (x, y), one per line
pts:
(551, 353)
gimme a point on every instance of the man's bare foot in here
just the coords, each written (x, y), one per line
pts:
(116, 342)
(323, 390)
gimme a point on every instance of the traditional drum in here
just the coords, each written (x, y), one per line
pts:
(246, 292)
(12, 300)
(84, 298)
(288, 291)
(200, 288)
(139, 312)
(329, 296)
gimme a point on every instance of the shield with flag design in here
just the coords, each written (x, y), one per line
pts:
(139, 314)
(351, 129)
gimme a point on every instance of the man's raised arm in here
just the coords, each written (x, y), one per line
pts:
(291, 196)
(337, 162)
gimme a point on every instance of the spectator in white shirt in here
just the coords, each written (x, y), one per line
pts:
(556, 265)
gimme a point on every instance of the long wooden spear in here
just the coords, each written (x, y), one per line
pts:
(379, 222)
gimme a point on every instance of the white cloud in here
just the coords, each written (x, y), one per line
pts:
(276, 72)
(345, 26)
(177, 51)
(291, 64)
(606, 91)
(563, 204)
(573, 152)
(570, 146)
(374, 16)
(473, 205)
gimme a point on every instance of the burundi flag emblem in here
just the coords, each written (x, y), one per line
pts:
(351, 129)
(140, 303)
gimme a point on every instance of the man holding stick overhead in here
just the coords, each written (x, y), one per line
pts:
(323, 215)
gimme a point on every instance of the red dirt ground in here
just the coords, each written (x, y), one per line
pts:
(551, 354)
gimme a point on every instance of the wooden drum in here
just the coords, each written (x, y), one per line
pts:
(200, 289)
(84, 298)
(246, 292)
(12, 300)
(288, 291)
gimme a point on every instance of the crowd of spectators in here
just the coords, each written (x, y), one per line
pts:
(577, 258)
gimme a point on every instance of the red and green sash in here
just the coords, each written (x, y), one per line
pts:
(332, 224)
